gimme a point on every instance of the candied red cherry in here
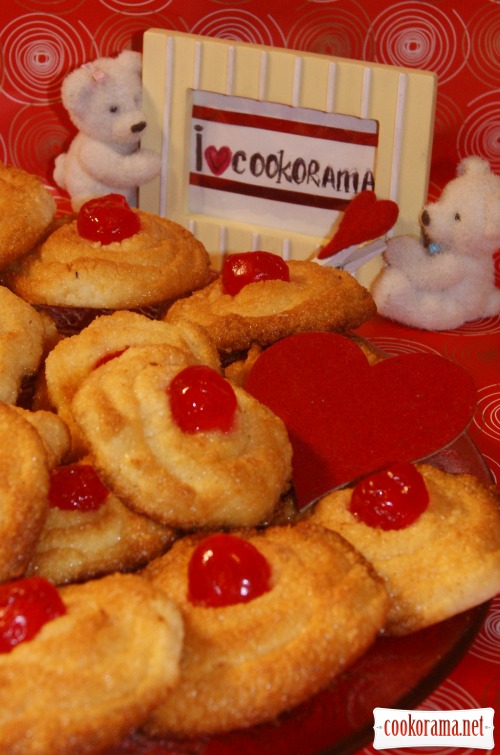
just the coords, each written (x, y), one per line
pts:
(107, 219)
(225, 569)
(76, 487)
(25, 606)
(201, 400)
(390, 499)
(239, 270)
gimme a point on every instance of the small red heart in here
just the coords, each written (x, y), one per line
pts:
(346, 418)
(366, 218)
(218, 159)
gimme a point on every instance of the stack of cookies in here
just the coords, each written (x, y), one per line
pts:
(151, 496)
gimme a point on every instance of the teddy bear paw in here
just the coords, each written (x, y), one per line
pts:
(404, 251)
(150, 165)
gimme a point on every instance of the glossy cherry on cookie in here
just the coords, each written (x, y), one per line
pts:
(201, 400)
(107, 219)
(391, 499)
(25, 606)
(241, 269)
(225, 569)
(76, 487)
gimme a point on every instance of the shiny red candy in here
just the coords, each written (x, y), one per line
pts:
(225, 569)
(201, 400)
(390, 499)
(107, 219)
(239, 270)
(76, 487)
(25, 606)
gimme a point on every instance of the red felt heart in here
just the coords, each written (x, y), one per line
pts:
(346, 418)
(218, 159)
(366, 218)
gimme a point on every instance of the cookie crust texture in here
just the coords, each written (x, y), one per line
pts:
(27, 210)
(187, 480)
(75, 546)
(315, 298)
(93, 674)
(25, 337)
(75, 357)
(24, 486)
(444, 563)
(161, 262)
(248, 662)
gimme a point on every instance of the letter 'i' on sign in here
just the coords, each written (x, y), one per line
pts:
(263, 148)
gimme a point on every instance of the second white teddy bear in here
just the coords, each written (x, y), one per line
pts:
(104, 100)
(449, 279)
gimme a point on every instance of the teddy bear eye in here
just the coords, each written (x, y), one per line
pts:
(457, 216)
(113, 109)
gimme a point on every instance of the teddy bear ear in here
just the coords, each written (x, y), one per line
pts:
(76, 88)
(477, 166)
(131, 60)
(473, 166)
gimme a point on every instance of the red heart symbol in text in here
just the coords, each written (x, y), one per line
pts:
(366, 218)
(218, 159)
(346, 418)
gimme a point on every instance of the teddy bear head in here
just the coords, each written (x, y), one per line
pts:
(466, 217)
(104, 99)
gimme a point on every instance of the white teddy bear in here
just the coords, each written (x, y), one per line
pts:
(448, 279)
(104, 100)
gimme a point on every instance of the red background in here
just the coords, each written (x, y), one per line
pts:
(42, 40)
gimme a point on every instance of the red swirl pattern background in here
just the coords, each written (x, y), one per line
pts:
(42, 40)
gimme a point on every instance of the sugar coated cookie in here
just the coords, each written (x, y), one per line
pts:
(246, 662)
(24, 485)
(208, 478)
(444, 562)
(26, 212)
(92, 674)
(262, 312)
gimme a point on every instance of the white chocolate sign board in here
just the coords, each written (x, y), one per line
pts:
(253, 140)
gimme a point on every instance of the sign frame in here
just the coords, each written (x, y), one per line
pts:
(175, 64)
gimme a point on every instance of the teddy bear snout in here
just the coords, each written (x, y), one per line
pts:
(138, 127)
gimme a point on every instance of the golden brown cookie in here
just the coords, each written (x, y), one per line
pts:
(79, 545)
(203, 479)
(26, 212)
(247, 662)
(237, 370)
(24, 484)
(25, 337)
(90, 676)
(53, 432)
(445, 562)
(315, 298)
(67, 272)
(73, 358)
